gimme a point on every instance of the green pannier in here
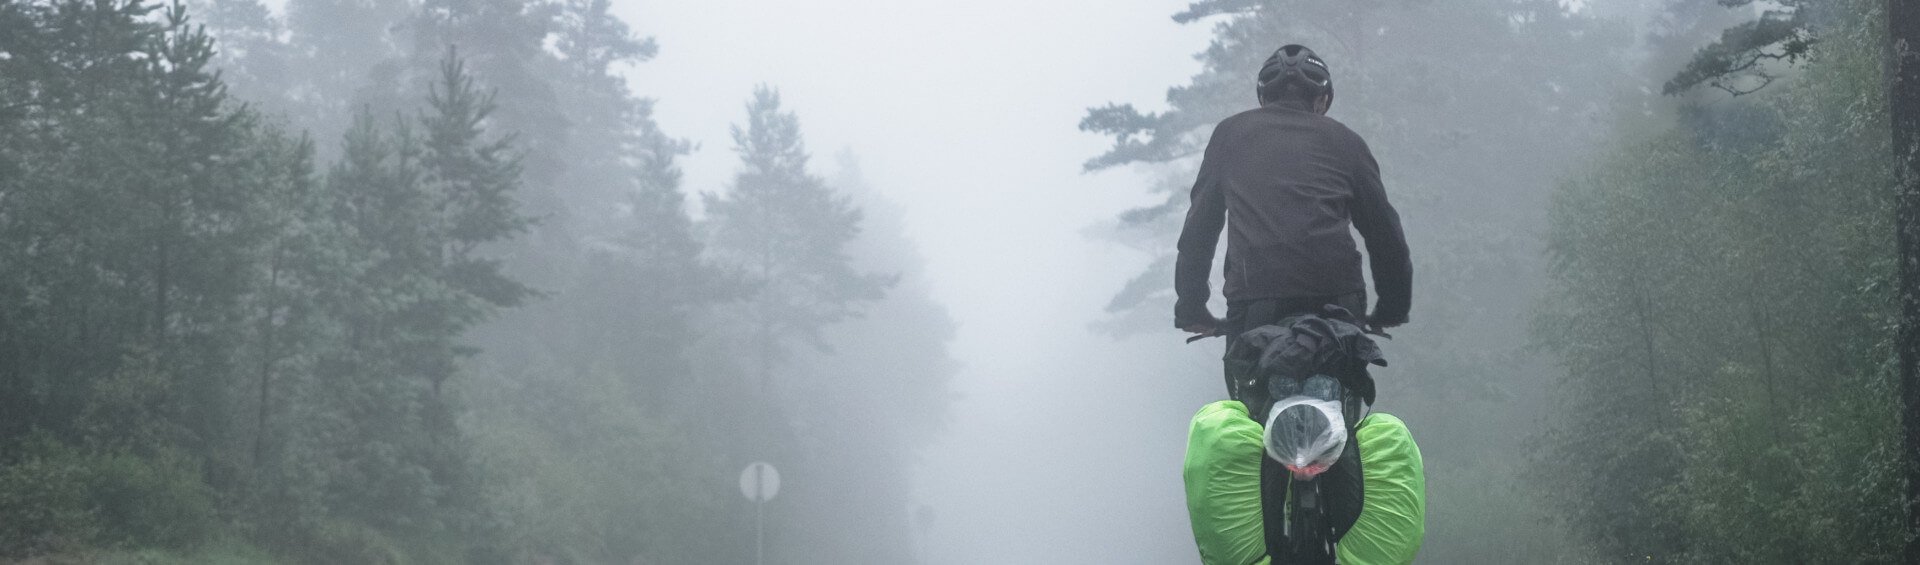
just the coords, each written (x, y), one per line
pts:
(1222, 473)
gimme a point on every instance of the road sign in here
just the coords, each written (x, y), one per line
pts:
(759, 481)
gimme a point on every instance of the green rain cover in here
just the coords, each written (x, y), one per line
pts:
(1222, 473)
(1393, 519)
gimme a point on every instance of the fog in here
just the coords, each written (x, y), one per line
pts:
(1060, 449)
(517, 281)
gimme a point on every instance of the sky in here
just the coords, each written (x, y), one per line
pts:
(965, 114)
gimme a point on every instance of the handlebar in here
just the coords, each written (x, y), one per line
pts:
(1198, 337)
(1368, 329)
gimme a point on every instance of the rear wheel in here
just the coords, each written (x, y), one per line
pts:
(1309, 530)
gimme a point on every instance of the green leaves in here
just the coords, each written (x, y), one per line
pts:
(1737, 63)
(1733, 263)
(62, 498)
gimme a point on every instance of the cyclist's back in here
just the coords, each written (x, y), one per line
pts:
(1293, 181)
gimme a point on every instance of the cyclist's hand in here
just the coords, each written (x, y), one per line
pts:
(1202, 330)
(1210, 326)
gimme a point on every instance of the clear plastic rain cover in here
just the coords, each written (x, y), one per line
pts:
(1306, 434)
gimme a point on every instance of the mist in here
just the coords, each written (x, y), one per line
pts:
(513, 281)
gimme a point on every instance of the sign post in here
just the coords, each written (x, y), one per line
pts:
(759, 482)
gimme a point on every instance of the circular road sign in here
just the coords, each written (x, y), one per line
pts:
(759, 481)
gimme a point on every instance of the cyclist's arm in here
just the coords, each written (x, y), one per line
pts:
(1205, 217)
(1379, 224)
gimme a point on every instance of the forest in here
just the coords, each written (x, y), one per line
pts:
(431, 281)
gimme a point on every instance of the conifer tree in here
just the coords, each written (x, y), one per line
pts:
(475, 182)
(141, 223)
(786, 230)
(424, 206)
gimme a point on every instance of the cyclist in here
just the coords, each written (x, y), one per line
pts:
(1294, 183)
(1292, 180)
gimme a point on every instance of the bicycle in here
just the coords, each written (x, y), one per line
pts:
(1309, 522)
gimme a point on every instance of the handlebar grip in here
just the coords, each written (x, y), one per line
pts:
(1198, 337)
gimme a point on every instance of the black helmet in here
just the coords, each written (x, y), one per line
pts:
(1295, 72)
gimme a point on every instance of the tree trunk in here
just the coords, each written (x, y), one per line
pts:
(1643, 309)
(162, 276)
(267, 357)
(1903, 106)
(1760, 324)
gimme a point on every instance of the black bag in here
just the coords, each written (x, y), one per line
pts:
(1305, 518)
(1305, 533)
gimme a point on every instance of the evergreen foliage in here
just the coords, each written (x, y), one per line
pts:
(450, 332)
(203, 335)
(785, 230)
(1739, 62)
(1722, 299)
(135, 206)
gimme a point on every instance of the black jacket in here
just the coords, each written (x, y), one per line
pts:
(1292, 181)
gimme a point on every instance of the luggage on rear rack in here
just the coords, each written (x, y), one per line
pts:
(1222, 472)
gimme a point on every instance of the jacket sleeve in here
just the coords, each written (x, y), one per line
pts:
(1379, 224)
(1205, 217)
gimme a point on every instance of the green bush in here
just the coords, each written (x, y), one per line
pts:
(343, 542)
(44, 500)
(57, 498)
(224, 552)
(156, 502)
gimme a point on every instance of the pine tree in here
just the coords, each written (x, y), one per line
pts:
(141, 224)
(785, 230)
(451, 195)
(475, 182)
